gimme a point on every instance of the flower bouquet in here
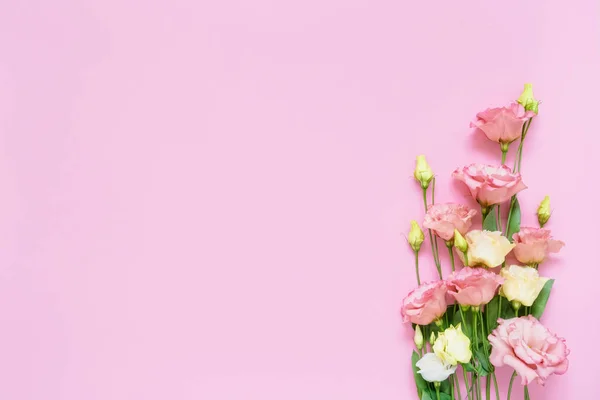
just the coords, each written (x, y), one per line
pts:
(486, 314)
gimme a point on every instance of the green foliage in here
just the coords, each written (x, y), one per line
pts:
(514, 225)
(539, 305)
(490, 223)
(419, 381)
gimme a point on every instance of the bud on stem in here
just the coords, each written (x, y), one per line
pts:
(543, 211)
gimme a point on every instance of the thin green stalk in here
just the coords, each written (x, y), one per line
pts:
(484, 213)
(437, 392)
(498, 220)
(451, 257)
(462, 317)
(519, 155)
(488, 387)
(496, 385)
(436, 258)
(466, 378)
(512, 379)
(521, 145)
(417, 267)
(504, 155)
(483, 335)
(474, 330)
(475, 340)
(457, 385)
(526, 392)
(499, 305)
(510, 209)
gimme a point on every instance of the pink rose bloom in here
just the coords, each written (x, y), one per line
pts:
(473, 286)
(526, 345)
(425, 304)
(502, 124)
(534, 244)
(489, 184)
(443, 219)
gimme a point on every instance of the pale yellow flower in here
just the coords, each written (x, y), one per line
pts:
(452, 346)
(486, 248)
(522, 284)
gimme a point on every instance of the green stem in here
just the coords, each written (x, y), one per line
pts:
(462, 317)
(483, 335)
(526, 392)
(499, 305)
(474, 330)
(498, 220)
(437, 392)
(466, 378)
(503, 154)
(436, 258)
(417, 267)
(519, 155)
(496, 385)
(451, 257)
(512, 379)
(457, 385)
(510, 210)
(484, 213)
(475, 340)
(488, 387)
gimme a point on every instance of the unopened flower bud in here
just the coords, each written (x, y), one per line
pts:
(516, 305)
(432, 338)
(418, 337)
(460, 242)
(415, 236)
(423, 172)
(527, 100)
(543, 211)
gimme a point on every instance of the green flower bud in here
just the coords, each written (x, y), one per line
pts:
(415, 236)
(460, 242)
(423, 172)
(527, 100)
(418, 337)
(543, 211)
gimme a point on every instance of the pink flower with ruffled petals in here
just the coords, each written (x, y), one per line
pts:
(490, 184)
(443, 219)
(473, 286)
(529, 348)
(425, 304)
(534, 244)
(502, 124)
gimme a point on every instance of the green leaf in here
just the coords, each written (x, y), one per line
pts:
(492, 313)
(445, 386)
(490, 222)
(539, 305)
(465, 327)
(484, 362)
(445, 396)
(514, 225)
(421, 383)
(427, 396)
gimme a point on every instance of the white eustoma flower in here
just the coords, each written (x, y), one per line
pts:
(433, 369)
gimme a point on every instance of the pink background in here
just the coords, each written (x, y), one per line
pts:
(207, 199)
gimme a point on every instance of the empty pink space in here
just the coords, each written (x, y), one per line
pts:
(208, 199)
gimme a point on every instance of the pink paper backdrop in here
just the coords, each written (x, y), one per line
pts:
(207, 199)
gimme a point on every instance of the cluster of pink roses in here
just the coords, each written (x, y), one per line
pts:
(479, 318)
